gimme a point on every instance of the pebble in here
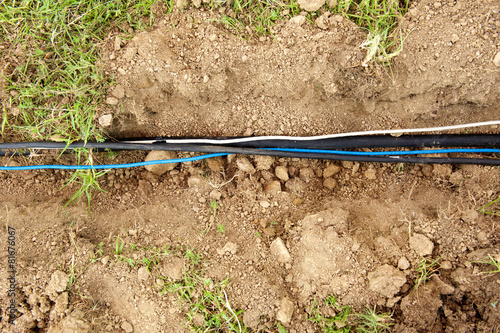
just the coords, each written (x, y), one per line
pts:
(279, 249)
(422, 245)
(264, 162)
(496, 60)
(264, 204)
(331, 170)
(371, 174)
(143, 274)
(160, 169)
(454, 38)
(228, 248)
(281, 172)
(403, 263)
(273, 187)
(285, 312)
(127, 327)
(298, 20)
(311, 5)
(245, 165)
(106, 120)
(215, 164)
(118, 91)
(330, 183)
(112, 101)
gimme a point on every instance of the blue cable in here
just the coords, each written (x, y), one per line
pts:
(201, 157)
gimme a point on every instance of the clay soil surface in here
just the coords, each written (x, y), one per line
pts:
(287, 232)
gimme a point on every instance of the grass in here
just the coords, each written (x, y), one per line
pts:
(371, 322)
(490, 260)
(337, 323)
(55, 86)
(345, 320)
(426, 268)
(203, 300)
(491, 208)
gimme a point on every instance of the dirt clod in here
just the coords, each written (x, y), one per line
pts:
(422, 245)
(279, 250)
(386, 280)
(285, 312)
(160, 169)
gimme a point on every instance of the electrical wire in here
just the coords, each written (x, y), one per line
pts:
(420, 141)
(328, 136)
(381, 157)
(391, 153)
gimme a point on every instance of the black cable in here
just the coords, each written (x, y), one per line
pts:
(254, 151)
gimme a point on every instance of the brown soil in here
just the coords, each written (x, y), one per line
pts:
(360, 241)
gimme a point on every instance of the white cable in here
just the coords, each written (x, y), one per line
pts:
(320, 137)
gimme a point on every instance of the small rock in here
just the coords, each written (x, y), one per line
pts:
(197, 4)
(454, 38)
(174, 269)
(279, 249)
(496, 60)
(215, 164)
(132, 232)
(273, 187)
(403, 263)
(311, 5)
(264, 162)
(347, 164)
(264, 204)
(306, 174)
(296, 185)
(331, 170)
(470, 216)
(330, 183)
(106, 120)
(322, 21)
(228, 248)
(143, 274)
(127, 327)
(216, 195)
(206, 78)
(245, 165)
(281, 172)
(446, 265)
(285, 312)
(118, 91)
(181, 4)
(386, 280)
(58, 282)
(160, 169)
(371, 174)
(112, 100)
(298, 20)
(422, 245)
(118, 43)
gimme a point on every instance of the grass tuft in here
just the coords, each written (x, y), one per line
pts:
(426, 268)
(490, 260)
(371, 322)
